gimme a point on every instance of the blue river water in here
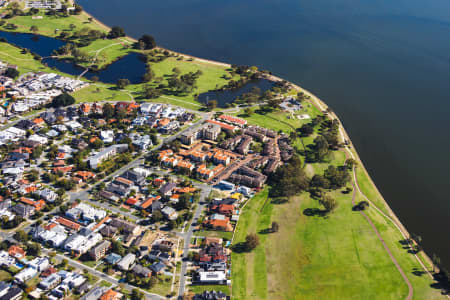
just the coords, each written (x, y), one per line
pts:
(383, 66)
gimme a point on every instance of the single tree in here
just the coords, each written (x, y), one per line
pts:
(122, 83)
(329, 203)
(34, 28)
(248, 111)
(64, 99)
(21, 236)
(251, 241)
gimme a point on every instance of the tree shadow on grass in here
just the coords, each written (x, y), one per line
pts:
(240, 248)
(315, 212)
(418, 272)
(279, 200)
(265, 231)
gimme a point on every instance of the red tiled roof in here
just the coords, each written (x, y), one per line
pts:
(16, 251)
(68, 223)
(50, 226)
(100, 223)
(233, 119)
(123, 180)
(110, 295)
(149, 202)
(222, 125)
(131, 201)
(85, 107)
(38, 121)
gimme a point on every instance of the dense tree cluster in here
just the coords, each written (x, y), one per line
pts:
(146, 42)
(11, 73)
(333, 178)
(289, 179)
(185, 83)
(116, 32)
(64, 99)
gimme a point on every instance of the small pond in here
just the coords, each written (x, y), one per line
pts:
(229, 95)
(131, 66)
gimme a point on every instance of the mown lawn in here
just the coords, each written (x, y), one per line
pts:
(25, 62)
(52, 25)
(197, 289)
(279, 120)
(313, 257)
(107, 51)
(100, 92)
(211, 78)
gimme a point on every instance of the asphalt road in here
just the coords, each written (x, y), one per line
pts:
(84, 195)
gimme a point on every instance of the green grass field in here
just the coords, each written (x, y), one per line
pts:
(25, 62)
(312, 257)
(211, 78)
(107, 50)
(279, 120)
(197, 289)
(52, 25)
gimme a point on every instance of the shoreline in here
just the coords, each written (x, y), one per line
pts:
(322, 106)
(351, 147)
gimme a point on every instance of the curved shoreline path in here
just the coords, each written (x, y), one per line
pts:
(374, 228)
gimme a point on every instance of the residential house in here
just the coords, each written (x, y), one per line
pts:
(23, 210)
(99, 251)
(106, 153)
(141, 271)
(157, 267)
(220, 225)
(167, 189)
(125, 263)
(113, 258)
(127, 227)
(169, 213)
(111, 295)
(17, 252)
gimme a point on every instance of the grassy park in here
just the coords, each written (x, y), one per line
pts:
(311, 256)
(338, 256)
(25, 61)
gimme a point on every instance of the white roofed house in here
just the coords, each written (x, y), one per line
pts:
(25, 275)
(85, 212)
(39, 263)
(79, 244)
(107, 136)
(73, 125)
(215, 277)
(126, 262)
(20, 107)
(142, 142)
(48, 195)
(38, 138)
(169, 213)
(106, 153)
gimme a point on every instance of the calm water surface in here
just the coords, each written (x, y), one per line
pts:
(131, 66)
(383, 66)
